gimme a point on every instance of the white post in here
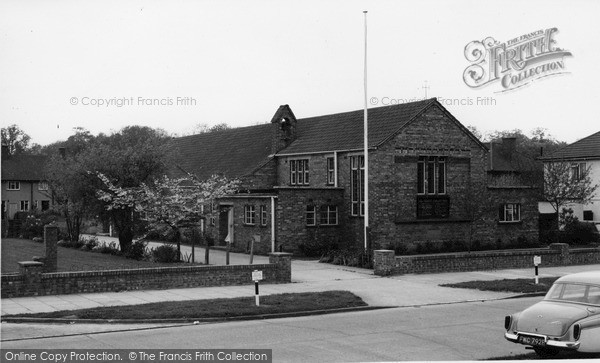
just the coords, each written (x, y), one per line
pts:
(256, 295)
(366, 145)
(537, 260)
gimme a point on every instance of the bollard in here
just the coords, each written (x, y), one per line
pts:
(537, 260)
(256, 276)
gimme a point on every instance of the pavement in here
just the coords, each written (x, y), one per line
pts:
(307, 276)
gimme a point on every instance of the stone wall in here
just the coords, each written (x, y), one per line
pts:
(32, 281)
(557, 254)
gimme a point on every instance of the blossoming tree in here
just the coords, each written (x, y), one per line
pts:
(173, 203)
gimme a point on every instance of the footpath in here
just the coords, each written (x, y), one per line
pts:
(307, 276)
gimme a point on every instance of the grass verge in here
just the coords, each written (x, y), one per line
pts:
(214, 308)
(15, 250)
(521, 286)
(565, 355)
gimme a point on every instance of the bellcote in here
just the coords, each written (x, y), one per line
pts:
(283, 128)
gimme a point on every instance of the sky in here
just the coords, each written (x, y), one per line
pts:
(103, 65)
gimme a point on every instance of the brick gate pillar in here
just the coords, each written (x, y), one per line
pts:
(384, 261)
(51, 245)
(283, 261)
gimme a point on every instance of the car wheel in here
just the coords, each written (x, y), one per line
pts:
(545, 352)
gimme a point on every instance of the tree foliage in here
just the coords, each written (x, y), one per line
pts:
(72, 190)
(562, 186)
(203, 128)
(174, 203)
(17, 141)
(130, 157)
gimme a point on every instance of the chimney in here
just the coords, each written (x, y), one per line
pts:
(509, 144)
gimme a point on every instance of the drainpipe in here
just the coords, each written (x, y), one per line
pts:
(335, 171)
(272, 224)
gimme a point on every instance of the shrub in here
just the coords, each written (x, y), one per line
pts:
(350, 257)
(318, 247)
(32, 227)
(165, 234)
(165, 253)
(33, 222)
(89, 243)
(579, 233)
(576, 232)
(109, 249)
(137, 251)
(401, 249)
(71, 244)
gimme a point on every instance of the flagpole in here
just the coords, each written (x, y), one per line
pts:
(366, 146)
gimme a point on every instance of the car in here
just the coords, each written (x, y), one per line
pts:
(568, 318)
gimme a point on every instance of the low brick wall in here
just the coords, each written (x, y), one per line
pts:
(558, 254)
(32, 281)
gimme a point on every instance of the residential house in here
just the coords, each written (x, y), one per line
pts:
(303, 181)
(23, 184)
(582, 155)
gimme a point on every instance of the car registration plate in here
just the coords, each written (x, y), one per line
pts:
(531, 340)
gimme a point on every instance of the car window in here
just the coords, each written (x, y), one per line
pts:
(574, 293)
(589, 294)
(555, 292)
(594, 295)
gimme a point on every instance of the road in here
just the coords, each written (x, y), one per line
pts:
(463, 331)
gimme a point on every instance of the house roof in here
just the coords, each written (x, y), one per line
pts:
(344, 131)
(240, 151)
(232, 152)
(586, 148)
(23, 167)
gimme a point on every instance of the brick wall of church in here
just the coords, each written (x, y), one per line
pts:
(393, 182)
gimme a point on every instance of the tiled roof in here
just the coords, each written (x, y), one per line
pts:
(232, 152)
(344, 131)
(240, 151)
(586, 148)
(24, 167)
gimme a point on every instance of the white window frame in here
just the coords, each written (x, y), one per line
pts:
(431, 175)
(328, 215)
(43, 185)
(511, 213)
(24, 205)
(13, 185)
(311, 215)
(577, 171)
(299, 172)
(331, 171)
(263, 215)
(357, 181)
(250, 214)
